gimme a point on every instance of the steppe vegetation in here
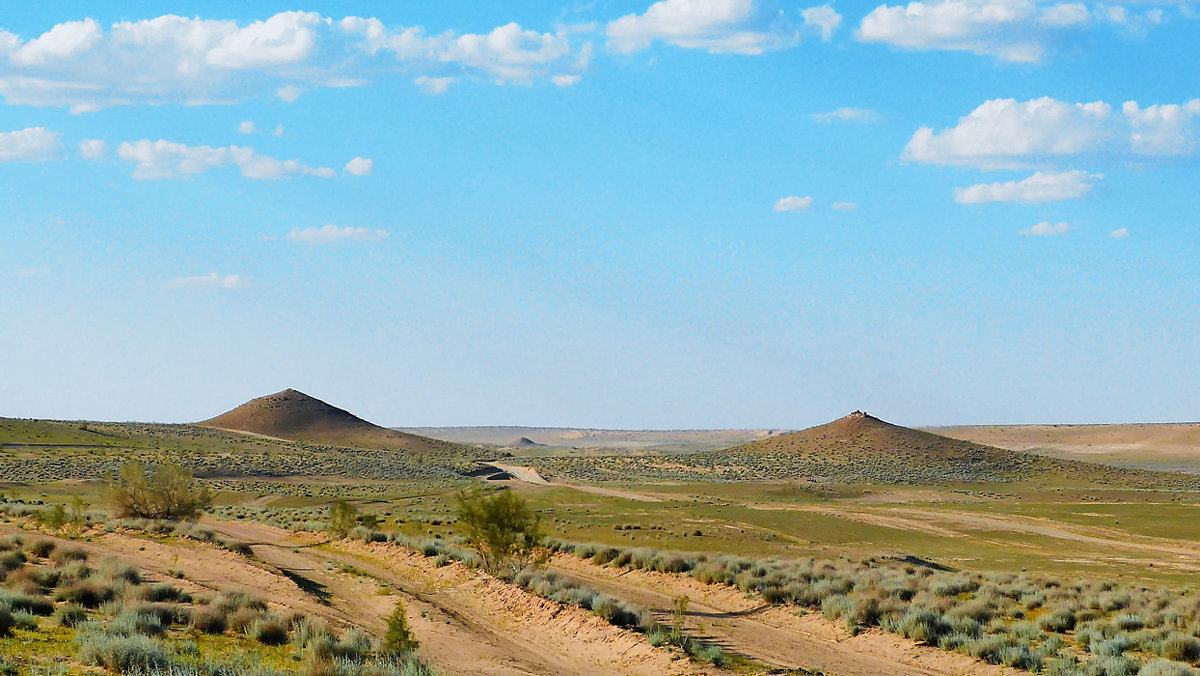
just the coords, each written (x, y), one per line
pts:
(1035, 563)
(64, 611)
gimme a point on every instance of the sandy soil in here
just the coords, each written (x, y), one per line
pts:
(777, 636)
(467, 623)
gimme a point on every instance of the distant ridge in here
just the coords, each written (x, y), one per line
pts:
(296, 416)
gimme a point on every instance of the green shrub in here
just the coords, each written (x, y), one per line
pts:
(269, 631)
(69, 615)
(398, 640)
(120, 653)
(209, 621)
(6, 621)
(1181, 648)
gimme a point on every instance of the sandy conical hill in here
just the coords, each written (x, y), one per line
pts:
(296, 416)
(863, 435)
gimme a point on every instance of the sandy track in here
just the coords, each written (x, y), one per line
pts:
(467, 623)
(772, 634)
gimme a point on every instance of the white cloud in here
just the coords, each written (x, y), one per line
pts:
(718, 26)
(846, 115)
(92, 149)
(565, 80)
(211, 281)
(1005, 133)
(509, 53)
(278, 130)
(247, 127)
(285, 38)
(1008, 134)
(64, 41)
(165, 159)
(1164, 129)
(32, 144)
(1119, 233)
(845, 206)
(360, 166)
(434, 85)
(180, 60)
(1040, 187)
(1047, 229)
(1012, 30)
(1064, 15)
(824, 18)
(793, 203)
(288, 93)
(329, 234)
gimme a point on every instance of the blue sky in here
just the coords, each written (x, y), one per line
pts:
(617, 214)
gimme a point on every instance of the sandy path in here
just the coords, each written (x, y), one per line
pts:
(467, 623)
(772, 634)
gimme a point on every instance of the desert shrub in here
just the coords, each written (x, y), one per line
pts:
(398, 639)
(120, 653)
(604, 555)
(64, 555)
(40, 548)
(1060, 620)
(84, 593)
(30, 603)
(836, 607)
(342, 518)
(1128, 622)
(501, 528)
(168, 492)
(209, 621)
(1107, 665)
(922, 626)
(243, 619)
(115, 571)
(6, 621)
(231, 601)
(269, 631)
(140, 621)
(706, 653)
(1181, 648)
(1117, 645)
(1165, 668)
(69, 615)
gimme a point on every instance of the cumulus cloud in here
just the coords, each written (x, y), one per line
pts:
(329, 234)
(1011, 30)
(824, 18)
(509, 53)
(247, 127)
(360, 166)
(434, 85)
(846, 115)
(845, 206)
(1010, 134)
(1040, 187)
(1119, 233)
(1170, 129)
(92, 149)
(32, 144)
(278, 131)
(1047, 229)
(720, 26)
(166, 159)
(171, 59)
(793, 203)
(212, 281)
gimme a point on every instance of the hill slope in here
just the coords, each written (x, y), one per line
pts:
(296, 416)
(862, 449)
